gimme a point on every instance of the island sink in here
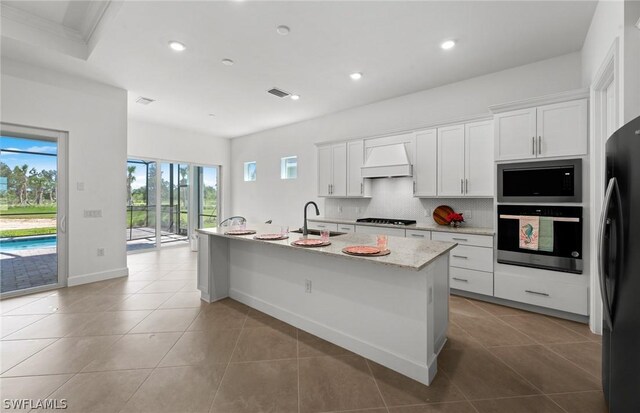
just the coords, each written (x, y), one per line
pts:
(317, 232)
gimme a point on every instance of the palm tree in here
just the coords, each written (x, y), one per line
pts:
(131, 170)
(21, 181)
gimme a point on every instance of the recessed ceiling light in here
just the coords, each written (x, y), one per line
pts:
(177, 46)
(295, 97)
(227, 62)
(212, 115)
(283, 30)
(448, 44)
(356, 76)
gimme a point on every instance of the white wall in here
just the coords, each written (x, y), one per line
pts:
(95, 117)
(150, 140)
(272, 198)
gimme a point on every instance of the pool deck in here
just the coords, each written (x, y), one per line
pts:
(28, 268)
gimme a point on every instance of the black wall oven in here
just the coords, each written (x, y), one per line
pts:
(541, 181)
(548, 237)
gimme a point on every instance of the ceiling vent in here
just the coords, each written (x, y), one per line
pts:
(278, 92)
(144, 101)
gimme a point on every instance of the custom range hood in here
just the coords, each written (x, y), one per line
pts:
(387, 161)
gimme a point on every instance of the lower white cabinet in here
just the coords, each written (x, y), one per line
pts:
(412, 233)
(569, 297)
(473, 258)
(366, 229)
(346, 228)
(479, 282)
(322, 225)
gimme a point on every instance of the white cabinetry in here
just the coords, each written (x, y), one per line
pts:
(356, 184)
(418, 234)
(557, 129)
(425, 163)
(465, 160)
(332, 170)
(366, 229)
(329, 226)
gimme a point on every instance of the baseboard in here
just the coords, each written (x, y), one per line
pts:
(97, 276)
(419, 372)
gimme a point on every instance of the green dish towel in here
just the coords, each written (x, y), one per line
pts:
(545, 240)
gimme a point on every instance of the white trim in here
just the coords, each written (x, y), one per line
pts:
(541, 100)
(606, 75)
(97, 276)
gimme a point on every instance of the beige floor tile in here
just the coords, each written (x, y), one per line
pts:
(167, 320)
(337, 383)
(142, 302)
(398, 390)
(459, 339)
(453, 407)
(14, 352)
(46, 305)
(54, 326)
(13, 323)
(125, 287)
(478, 374)
(312, 346)
(134, 351)
(111, 322)
(31, 387)
(145, 275)
(266, 343)
(186, 389)
(190, 286)
(67, 355)
(161, 286)
(491, 331)
(106, 391)
(94, 303)
(9, 304)
(257, 318)
(462, 306)
(180, 275)
(219, 317)
(499, 310)
(269, 386)
(586, 355)
(184, 300)
(579, 328)
(546, 370)
(584, 402)
(542, 329)
(202, 348)
(529, 404)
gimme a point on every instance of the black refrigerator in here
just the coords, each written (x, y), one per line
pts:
(619, 271)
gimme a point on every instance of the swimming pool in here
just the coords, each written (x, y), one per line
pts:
(27, 243)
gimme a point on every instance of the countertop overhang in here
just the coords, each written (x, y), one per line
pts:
(407, 253)
(419, 226)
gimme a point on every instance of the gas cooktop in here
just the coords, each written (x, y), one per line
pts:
(386, 221)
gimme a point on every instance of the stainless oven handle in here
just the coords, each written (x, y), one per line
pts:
(533, 145)
(604, 221)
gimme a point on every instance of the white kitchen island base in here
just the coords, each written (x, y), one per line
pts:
(392, 315)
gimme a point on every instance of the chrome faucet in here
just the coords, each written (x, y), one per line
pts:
(305, 231)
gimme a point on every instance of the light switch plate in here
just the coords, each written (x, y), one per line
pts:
(80, 186)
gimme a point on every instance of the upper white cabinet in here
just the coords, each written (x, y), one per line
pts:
(332, 170)
(465, 160)
(425, 163)
(558, 129)
(356, 185)
(451, 161)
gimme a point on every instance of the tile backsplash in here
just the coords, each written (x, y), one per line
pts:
(393, 198)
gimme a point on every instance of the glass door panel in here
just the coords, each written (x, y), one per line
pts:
(207, 196)
(141, 204)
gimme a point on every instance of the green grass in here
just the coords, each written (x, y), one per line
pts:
(26, 212)
(27, 231)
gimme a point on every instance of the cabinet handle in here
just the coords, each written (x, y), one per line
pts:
(464, 280)
(539, 145)
(460, 239)
(414, 187)
(460, 256)
(417, 235)
(536, 293)
(466, 186)
(533, 145)
(462, 186)
(361, 188)
(345, 228)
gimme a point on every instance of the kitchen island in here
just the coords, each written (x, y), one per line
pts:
(391, 309)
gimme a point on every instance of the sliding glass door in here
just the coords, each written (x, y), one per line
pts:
(141, 204)
(207, 196)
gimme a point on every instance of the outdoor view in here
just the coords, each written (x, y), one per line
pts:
(28, 191)
(176, 185)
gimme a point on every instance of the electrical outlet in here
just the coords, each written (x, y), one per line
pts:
(100, 252)
(340, 209)
(307, 286)
(467, 214)
(93, 213)
(80, 186)
(358, 210)
(427, 212)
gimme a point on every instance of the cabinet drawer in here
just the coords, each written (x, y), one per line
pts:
(365, 229)
(346, 228)
(464, 239)
(322, 225)
(470, 280)
(572, 298)
(473, 258)
(412, 233)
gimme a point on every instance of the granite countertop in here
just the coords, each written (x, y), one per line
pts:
(419, 226)
(407, 253)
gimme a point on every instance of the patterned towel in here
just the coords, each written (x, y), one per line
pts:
(545, 241)
(529, 232)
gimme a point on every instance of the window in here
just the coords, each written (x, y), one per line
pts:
(249, 171)
(289, 167)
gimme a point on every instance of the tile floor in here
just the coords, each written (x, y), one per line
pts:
(148, 344)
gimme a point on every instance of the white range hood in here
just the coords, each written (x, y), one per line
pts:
(387, 161)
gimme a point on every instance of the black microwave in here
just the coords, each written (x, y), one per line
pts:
(540, 182)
